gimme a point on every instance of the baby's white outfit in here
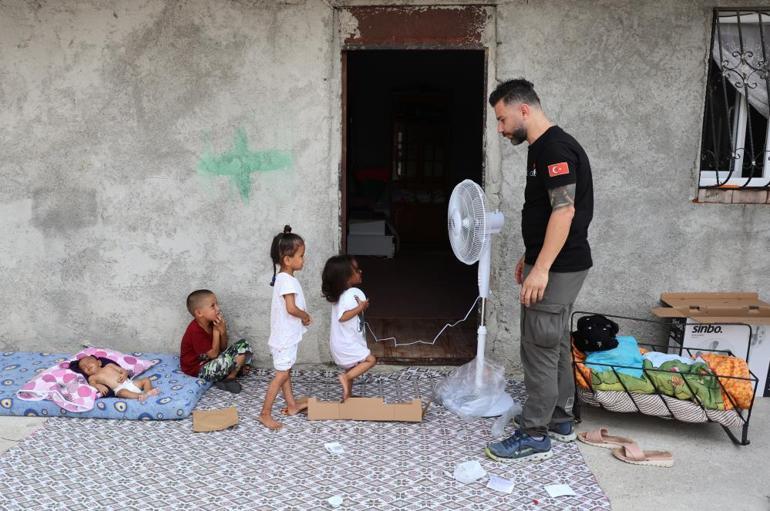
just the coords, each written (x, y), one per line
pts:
(128, 385)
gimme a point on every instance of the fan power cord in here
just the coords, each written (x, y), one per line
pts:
(448, 325)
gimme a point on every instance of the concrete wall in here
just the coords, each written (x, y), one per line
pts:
(117, 200)
(106, 112)
(627, 79)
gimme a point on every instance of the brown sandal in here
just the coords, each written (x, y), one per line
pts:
(600, 438)
(631, 453)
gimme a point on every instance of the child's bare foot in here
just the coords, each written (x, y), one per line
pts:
(153, 392)
(299, 405)
(345, 387)
(270, 423)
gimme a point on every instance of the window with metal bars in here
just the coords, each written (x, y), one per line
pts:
(735, 152)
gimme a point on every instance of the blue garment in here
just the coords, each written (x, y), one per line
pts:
(626, 354)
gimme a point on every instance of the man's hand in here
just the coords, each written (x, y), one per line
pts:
(533, 289)
(519, 272)
(307, 319)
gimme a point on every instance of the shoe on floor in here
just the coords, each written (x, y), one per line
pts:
(561, 431)
(228, 385)
(520, 447)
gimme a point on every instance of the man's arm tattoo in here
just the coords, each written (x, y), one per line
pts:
(562, 196)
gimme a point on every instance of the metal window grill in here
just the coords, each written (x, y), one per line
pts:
(735, 151)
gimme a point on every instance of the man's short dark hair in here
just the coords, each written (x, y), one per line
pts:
(194, 299)
(515, 91)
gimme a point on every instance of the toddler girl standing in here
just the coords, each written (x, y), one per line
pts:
(348, 338)
(288, 322)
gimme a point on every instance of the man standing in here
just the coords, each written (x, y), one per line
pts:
(558, 207)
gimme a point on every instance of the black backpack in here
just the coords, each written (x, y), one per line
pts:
(595, 333)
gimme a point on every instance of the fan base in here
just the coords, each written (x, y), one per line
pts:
(501, 405)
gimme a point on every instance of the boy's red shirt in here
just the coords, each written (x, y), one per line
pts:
(195, 342)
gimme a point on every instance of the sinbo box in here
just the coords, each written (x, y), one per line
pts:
(703, 320)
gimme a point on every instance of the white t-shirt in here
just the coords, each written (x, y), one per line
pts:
(348, 338)
(285, 329)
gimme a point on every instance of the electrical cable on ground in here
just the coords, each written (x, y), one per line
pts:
(448, 325)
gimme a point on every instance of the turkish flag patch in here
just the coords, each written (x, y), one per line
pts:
(558, 169)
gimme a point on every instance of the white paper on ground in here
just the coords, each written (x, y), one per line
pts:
(334, 448)
(498, 483)
(559, 490)
(469, 471)
(335, 501)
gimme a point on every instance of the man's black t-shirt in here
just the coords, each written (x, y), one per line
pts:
(556, 159)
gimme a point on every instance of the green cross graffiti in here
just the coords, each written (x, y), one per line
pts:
(240, 162)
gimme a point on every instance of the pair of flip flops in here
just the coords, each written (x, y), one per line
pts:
(626, 449)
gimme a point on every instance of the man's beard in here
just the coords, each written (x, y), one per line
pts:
(519, 135)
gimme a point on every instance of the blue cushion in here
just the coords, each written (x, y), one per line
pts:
(178, 395)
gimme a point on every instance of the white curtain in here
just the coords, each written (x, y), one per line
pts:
(745, 70)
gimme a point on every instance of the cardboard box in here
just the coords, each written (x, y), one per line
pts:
(702, 320)
(366, 409)
(371, 244)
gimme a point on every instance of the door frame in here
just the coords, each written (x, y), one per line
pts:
(404, 27)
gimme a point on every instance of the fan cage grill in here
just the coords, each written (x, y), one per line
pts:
(468, 205)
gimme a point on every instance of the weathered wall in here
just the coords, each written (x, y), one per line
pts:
(116, 121)
(106, 113)
(627, 79)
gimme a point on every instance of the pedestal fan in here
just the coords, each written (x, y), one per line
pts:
(476, 389)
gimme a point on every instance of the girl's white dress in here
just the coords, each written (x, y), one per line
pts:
(348, 338)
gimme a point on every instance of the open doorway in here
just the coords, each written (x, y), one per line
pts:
(414, 129)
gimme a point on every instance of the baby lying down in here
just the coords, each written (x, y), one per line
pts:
(109, 378)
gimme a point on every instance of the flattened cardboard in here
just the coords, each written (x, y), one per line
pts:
(715, 308)
(365, 409)
(214, 420)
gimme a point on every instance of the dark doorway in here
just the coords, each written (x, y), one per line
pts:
(414, 129)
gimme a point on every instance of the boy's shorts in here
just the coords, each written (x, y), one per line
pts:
(284, 358)
(218, 368)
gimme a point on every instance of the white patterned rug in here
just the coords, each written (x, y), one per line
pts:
(108, 464)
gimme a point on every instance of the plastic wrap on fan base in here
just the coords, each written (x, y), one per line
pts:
(461, 393)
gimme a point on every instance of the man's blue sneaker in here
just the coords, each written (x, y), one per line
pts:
(520, 447)
(561, 431)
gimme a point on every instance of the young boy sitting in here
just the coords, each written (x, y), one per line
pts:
(204, 352)
(111, 379)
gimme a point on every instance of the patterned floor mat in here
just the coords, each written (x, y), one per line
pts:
(98, 464)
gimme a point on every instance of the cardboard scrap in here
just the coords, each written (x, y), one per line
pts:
(214, 420)
(365, 409)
